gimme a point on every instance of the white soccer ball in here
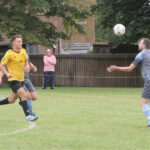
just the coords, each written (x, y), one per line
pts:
(119, 29)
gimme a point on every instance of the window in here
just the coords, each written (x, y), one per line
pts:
(32, 49)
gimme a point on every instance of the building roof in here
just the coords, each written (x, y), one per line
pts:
(100, 43)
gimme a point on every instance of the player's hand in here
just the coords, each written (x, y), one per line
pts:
(9, 75)
(27, 68)
(35, 69)
(111, 68)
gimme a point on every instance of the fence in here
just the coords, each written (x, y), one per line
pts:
(89, 71)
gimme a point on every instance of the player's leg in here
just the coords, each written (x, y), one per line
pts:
(4, 101)
(30, 105)
(29, 101)
(18, 91)
(9, 100)
(144, 101)
(146, 109)
(45, 80)
(33, 96)
(24, 97)
(13, 97)
(52, 79)
(31, 89)
(14, 85)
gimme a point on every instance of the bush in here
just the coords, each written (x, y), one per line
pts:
(90, 51)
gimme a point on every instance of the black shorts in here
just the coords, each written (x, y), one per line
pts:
(15, 85)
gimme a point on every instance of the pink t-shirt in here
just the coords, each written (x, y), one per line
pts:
(49, 63)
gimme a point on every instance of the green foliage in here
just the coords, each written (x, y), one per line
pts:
(134, 14)
(22, 17)
(90, 51)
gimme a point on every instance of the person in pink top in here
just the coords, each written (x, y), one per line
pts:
(49, 68)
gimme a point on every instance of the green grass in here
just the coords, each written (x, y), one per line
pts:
(78, 119)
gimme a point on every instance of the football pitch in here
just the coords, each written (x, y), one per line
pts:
(77, 119)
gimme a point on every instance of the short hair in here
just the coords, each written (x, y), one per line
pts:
(49, 49)
(146, 42)
(15, 37)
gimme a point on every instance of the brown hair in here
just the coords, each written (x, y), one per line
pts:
(15, 37)
(146, 42)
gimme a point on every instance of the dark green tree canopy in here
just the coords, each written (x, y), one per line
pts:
(22, 17)
(134, 14)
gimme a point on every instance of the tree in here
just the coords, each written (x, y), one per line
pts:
(22, 17)
(134, 14)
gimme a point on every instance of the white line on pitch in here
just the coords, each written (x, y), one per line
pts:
(30, 127)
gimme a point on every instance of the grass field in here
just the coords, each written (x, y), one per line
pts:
(77, 119)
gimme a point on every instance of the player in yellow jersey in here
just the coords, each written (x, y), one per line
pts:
(17, 62)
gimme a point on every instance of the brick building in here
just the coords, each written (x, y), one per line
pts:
(78, 43)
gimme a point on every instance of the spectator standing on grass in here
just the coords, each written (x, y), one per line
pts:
(49, 68)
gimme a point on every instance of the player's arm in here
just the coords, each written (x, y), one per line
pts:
(4, 70)
(123, 69)
(138, 59)
(27, 67)
(1, 76)
(3, 63)
(33, 67)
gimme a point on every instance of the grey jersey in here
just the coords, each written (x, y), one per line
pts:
(26, 74)
(143, 58)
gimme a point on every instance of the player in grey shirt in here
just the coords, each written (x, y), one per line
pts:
(142, 58)
(29, 88)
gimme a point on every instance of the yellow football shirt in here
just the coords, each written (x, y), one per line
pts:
(15, 62)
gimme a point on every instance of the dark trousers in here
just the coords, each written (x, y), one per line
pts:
(48, 75)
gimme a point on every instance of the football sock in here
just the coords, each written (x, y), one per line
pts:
(25, 107)
(146, 111)
(29, 102)
(4, 101)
